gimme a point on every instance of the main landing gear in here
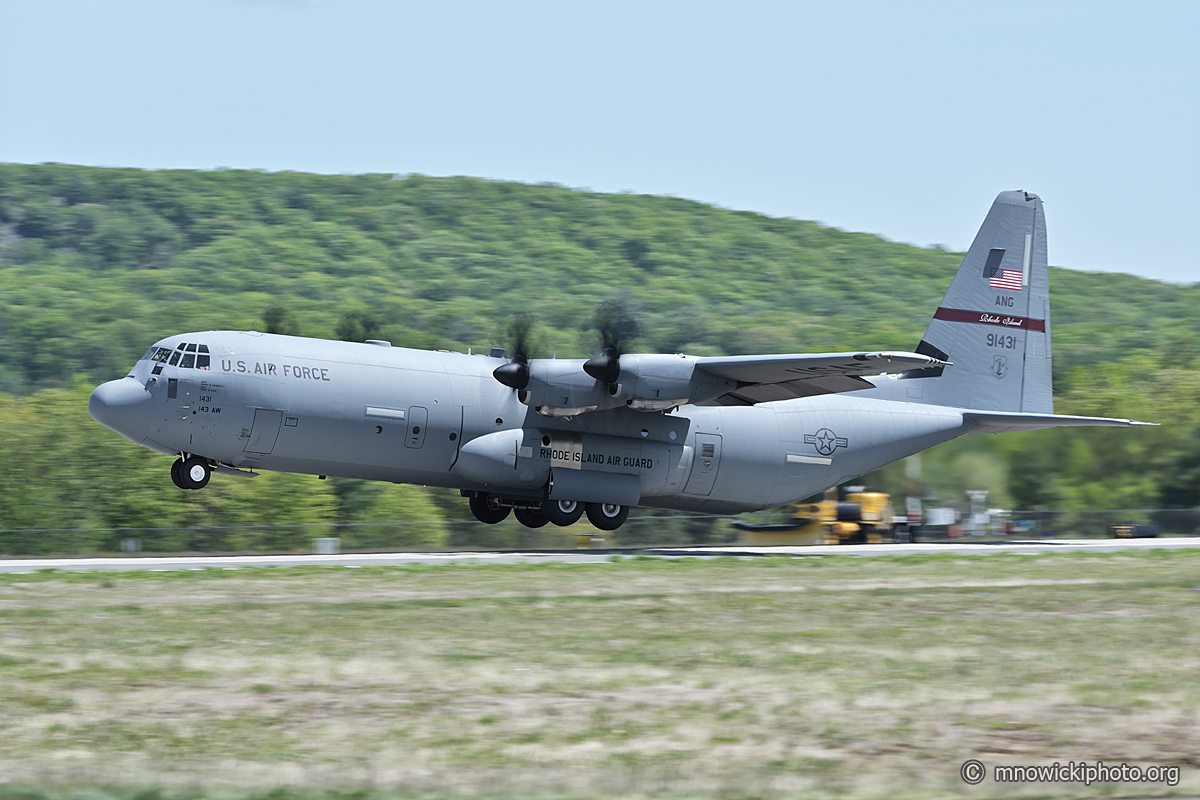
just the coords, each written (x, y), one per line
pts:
(607, 516)
(531, 517)
(190, 473)
(490, 509)
(487, 509)
(562, 512)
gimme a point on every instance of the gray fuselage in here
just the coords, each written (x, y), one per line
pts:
(440, 419)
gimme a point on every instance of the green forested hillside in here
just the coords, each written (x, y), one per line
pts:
(95, 264)
(119, 257)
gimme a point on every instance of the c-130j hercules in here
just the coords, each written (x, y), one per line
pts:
(549, 439)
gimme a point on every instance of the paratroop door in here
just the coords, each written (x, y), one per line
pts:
(418, 421)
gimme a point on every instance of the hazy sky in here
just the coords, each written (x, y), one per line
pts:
(898, 118)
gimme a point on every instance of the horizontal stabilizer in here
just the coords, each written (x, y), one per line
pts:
(765, 379)
(1010, 421)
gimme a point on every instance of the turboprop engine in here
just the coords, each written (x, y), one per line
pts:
(612, 379)
(646, 382)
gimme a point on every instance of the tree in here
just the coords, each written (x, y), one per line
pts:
(1181, 479)
(356, 326)
(278, 319)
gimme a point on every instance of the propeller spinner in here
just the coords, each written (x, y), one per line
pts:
(515, 374)
(617, 328)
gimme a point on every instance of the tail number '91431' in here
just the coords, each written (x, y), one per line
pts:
(1000, 340)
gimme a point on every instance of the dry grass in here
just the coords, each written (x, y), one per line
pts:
(815, 677)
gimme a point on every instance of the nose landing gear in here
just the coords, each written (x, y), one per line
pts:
(190, 473)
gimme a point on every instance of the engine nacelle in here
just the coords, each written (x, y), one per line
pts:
(646, 382)
(652, 382)
(560, 388)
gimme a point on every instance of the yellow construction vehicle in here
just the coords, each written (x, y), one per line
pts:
(860, 517)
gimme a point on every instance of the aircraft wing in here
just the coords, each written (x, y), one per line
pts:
(764, 379)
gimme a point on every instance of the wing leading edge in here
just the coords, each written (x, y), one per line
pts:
(766, 379)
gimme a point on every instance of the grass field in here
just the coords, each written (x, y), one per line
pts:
(811, 677)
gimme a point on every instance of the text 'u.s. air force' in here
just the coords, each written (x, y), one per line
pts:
(275, 370)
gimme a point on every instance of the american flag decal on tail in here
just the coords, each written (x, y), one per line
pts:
(1011, 279)
(1007, 279)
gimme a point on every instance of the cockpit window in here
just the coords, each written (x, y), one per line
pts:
(149, 353)
(161, 354)
(187, 355)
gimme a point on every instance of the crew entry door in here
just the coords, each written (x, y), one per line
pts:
(705, 464)
(264, 431)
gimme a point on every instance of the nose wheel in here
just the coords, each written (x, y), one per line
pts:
(192, 473)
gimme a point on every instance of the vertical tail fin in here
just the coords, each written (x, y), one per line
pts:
(994, 322)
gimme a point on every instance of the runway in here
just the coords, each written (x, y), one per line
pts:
(352, 560)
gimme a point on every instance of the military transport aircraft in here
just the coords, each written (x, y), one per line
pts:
(551, 439)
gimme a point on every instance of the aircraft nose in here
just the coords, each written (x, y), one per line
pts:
(123, 406)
